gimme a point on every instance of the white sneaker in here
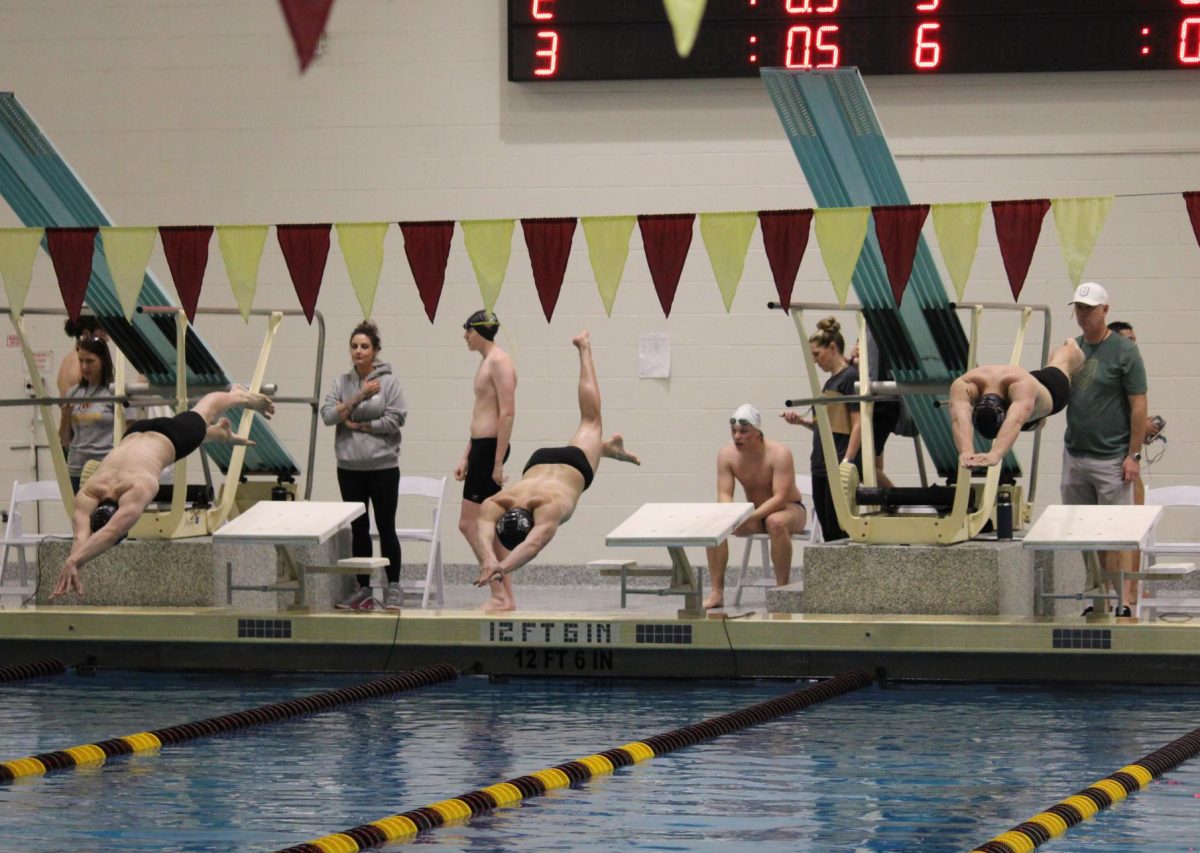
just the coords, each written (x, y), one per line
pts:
(393, 597)
(360, 599)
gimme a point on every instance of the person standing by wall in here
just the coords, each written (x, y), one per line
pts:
(1106, 423)
(86, 427)
(367, 408)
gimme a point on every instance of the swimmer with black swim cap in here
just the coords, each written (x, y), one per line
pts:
(1000, 401)
(517, 522)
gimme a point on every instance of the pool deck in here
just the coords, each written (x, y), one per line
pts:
(581, 631)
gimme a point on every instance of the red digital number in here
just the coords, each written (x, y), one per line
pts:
(1189, 39)
(800, 55)
(540, 14)
(549, 53)
(805, 7)
(928, 52)
(929, 6)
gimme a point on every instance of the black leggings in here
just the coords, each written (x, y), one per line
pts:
(831, 531)
(379, 490)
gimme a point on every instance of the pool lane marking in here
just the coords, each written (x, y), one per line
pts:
(93, 754)
(402, 827)
(1064, 814)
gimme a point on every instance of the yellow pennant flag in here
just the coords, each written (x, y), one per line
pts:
(362, 249)
(957, 229)
(18, 250)
(685, 17)
(608, 249)
(727, 238)
(1079, 222)
(489, 245)
(840, 234)
(127, 251)
(242, 248)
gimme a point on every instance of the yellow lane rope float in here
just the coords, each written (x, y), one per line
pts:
(1079, 807)
(405, 826)
(98, 753)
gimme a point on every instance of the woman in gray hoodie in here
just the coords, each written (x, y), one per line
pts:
(367, 407)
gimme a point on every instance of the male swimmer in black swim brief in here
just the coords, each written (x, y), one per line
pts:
(1000, 401)
(118, 492)
(520, 520)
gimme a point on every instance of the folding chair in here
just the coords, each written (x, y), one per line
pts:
(433, 583)
(810, 535)
(15, 537)
(1151, 601)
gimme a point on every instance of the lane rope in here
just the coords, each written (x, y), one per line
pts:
(94, 754)
(1075, 809)
(32, 669)
(402, 827)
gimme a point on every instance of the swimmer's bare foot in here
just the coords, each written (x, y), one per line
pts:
(714, 601)
(582, 341)
(498, 604)
(614, 448)
(222, 433)
(260, 403)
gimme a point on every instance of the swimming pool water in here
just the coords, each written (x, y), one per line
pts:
(908, 768)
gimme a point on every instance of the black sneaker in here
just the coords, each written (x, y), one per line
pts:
(1087, 611)
(1124, 611)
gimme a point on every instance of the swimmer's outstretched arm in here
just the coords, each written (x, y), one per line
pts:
(89, 545)
(546, 521)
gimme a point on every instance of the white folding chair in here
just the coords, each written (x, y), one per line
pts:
(433, 584)
(766, 575)
(16, 539)
(1152, 571)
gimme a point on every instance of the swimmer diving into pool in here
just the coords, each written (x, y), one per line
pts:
(118, 492)
(1000, 401)
(516, 523)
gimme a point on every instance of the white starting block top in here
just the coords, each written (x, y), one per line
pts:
(680, 525)
(1102, 528)
(289, 522)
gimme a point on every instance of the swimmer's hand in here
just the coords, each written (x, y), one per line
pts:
(68, 580)
(979, 460)
(460, 473)
(498, 474)
(490, 572)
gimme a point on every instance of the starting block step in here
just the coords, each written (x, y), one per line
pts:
(351, 566)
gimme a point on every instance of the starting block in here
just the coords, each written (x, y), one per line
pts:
(626, 569)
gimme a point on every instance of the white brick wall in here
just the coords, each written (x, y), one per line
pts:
(179, 113)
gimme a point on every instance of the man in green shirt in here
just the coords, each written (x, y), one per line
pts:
(1106, 422)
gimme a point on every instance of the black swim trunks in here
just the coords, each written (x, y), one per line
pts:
(185, 431)
(478, 485)
(1059, 386)
(569, 455)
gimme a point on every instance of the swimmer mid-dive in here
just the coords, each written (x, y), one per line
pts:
(522, 518)
(113, 499)
(1002, 400)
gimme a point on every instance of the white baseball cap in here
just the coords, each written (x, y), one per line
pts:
(747, 413)
(1090, 293)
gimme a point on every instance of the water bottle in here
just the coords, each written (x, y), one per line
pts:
(1004, 518)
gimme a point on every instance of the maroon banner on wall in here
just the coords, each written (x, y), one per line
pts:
(71, 250)
(549, 244)
(1192, 200)
(305, 249)
(898, 229)
(785, 237)
(186, 248)
(427, 246)
(666, 239)
(1018, 226)
(306, 21)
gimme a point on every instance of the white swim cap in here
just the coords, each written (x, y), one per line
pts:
(746, 414)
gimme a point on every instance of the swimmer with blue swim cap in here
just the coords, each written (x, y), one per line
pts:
(517, 522)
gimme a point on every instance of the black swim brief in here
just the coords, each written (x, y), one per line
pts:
(1059, 386)
(185, 431)
(569, 455)
(478, 485)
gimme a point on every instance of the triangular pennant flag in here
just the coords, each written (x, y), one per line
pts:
(362, 250)
(1018, 226)
(242, 248)
(898, 228)
(127, 251)
(18, 250)
(608, 249)
(1192, 200)
(549, 244)
(727, 238)
(785, 237)
(685, 17)
(427, 246)
(305, 249)
(957, 228)
(489, 245)
(71, 250)
(306, 20)
(841, 232)
(186, 248)
(665, 239)
(1079, 221)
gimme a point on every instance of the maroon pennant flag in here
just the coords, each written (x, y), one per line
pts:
(549, 243)
(306, 19)
(71, 250)
(785, 236)
(186, 248)
(1192, 200)
(305, 248)
(427, 245)
(1018, 226)
(665, 239)
(898, 228)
